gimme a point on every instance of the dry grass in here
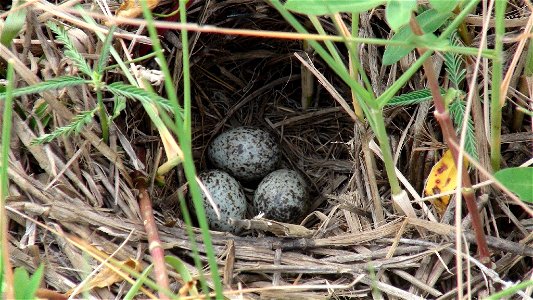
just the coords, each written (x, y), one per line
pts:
(79, 186)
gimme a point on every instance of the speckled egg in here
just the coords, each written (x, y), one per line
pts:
(246, 153)
(227, 194)
(282, 196)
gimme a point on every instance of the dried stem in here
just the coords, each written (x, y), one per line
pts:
(156, 250)
(450, 137)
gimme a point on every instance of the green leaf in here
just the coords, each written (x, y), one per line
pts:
(119, 105)
(412, 98)
(443, 6)
(78, 122)
(429, 21)
(26, 286)
(180, 267)
(398, 12)
(138, 283)
(133, 92)
(326, 7)
(70, 51)
(457, 110)
(16, 18)
(454, 65)
(430, 39)
(519, 181)
(52, 84)
(104, 54)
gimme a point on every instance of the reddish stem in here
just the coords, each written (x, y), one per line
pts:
(450, 137)
(154, 243)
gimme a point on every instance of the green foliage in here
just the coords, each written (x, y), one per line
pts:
(510, 291)
(105, 52)
(180, 267)
(138, 283)
(528, 67)
(443, 6)
(52, 84)
(13, 24)
(78, 122)
(135, 93)
(325, 7)
(411, 98)
(454, 65)
(429, 21)
(118, 105)
(398, 12)
(519, 181)
(25, 286)
(457, 110)
(70, 50)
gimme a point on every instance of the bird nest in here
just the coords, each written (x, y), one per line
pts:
(74, 196)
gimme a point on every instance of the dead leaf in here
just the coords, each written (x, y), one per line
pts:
(441, 179)
(107, 277)
(133, 9)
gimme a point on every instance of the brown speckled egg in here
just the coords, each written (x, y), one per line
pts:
(229, 197)
(246, 153)
(282, 196)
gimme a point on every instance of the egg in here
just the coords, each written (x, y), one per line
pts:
(282, 196)
(247, 153)
(227, 194)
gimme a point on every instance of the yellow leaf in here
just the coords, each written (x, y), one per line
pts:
(107, 277)
(132, 8)
(441, 179)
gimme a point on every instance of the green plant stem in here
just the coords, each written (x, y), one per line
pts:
(329, 44)
(355, 31)
(388, 160)
(189, 168)
(103, 116)
(137, 59)
(365, 99)
(384, 98)
(497, 74)
(169, 84)
(6, 273)
(340, 70)
(353, 54)
(443, 117)
(184, 136)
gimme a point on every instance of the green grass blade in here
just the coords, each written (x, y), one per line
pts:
(13, 24)
(4, 165)
(321, 7)
(384, 98)
(180, 267)
(138, 283)
(6, 134)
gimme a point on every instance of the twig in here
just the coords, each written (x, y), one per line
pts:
(445, 122)
(156, 250)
